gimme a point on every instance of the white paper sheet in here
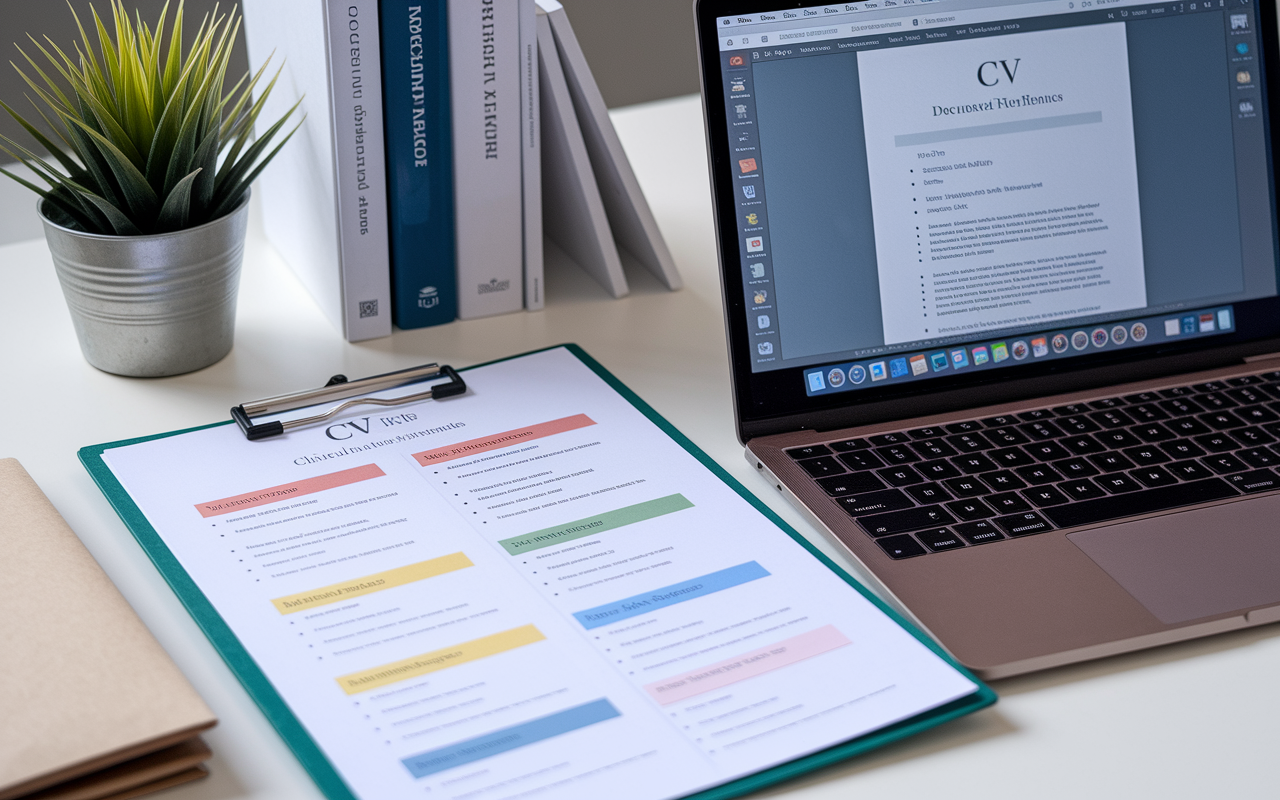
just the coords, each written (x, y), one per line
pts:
(529, 588)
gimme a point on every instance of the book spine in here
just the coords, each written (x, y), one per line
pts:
(531, 155)
(484, 55)
(355, 85)
(419, 145)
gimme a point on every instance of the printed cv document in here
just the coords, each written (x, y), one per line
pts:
(526, 590)
(1003, 180)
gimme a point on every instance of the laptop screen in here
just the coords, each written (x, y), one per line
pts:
(924, 189)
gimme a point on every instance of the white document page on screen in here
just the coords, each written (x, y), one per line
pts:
(1003, 181)
(526, 590)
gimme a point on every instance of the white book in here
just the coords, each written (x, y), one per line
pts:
(531, 156)
(630, 218)
(573, 213)
(324, 196)
(484, 83)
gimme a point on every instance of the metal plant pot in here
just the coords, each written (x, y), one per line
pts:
(150, 306)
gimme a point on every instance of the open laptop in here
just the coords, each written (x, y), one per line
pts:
(1000, 279)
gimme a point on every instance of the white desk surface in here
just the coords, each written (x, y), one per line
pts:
(1195, 720)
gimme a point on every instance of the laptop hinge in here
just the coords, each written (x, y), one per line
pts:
(1263, 357)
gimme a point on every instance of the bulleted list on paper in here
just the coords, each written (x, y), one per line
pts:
(1004, 182)
(526, 589)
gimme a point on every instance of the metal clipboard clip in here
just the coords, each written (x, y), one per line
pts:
(339, 388)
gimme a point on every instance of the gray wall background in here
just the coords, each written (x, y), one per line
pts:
(637, 51)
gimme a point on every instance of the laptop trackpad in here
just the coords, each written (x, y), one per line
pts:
(1194, 564)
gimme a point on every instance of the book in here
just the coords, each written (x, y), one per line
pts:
(324, 197)
(484, 79)
(573, 213)
(419, 148)
(630, 217)
(536, 587)
(531, 156)
(92, 705)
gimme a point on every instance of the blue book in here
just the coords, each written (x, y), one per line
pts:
(419, 146)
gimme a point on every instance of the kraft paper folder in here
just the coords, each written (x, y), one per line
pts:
(91, 707)
(326, 775)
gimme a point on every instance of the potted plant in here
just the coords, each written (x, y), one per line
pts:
(146, 218)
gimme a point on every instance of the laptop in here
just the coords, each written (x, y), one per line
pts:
(1000, 283)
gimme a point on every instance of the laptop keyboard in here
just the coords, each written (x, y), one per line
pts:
(976, 481)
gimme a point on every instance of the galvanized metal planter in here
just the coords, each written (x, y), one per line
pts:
(150, 306)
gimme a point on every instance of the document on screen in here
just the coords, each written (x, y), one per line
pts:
(1003, 180)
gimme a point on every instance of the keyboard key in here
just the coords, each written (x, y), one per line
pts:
(1082, 445)
(1004, 436)
(1024, 524)
(927, 494)
(978, 532)
(1117, 439)
(1071, 410)
(1259, 480)
(850, 445)
(1118, 483)
(821, 467)
(911, 519)
(1190, 470)
(1177, 391)
(970, 509)
(896, 454)
(1078, 424)
(965, 487)
(882, 439)
(1112, 419)
(1152, 432)
(1152, 477)
(1216, 402)
(1035, 414)
(1146, 413)
(897, 547)
(811, 451)
(1255, 415)
(1143, 502)
(862, 459)
(1180, 406)
(850, 483)
(975, 463)
(1222, 463)
(1217, 443)
(1075, 468)
(1001, 421)
(1106, 402)
(1270, 377)
(1040, 431)
(1247, 397)
(1111, 462)
(1081, 489)
(937, 539)
(1244, 380)
(1209, 386)
(1038, 474)
(1004, 481)
(968, 442)
(968, 426)
(1258, 457)
(1255, 437)
(1008, 503)
(1221, 420)
(1011, 457)
(875, 502)
(932, 432)
(1182, 448)
(1141, 397)
(1187, 426)
(1041, 496)
(1047, 451)
(937, 470)
(900, 476)
(933, 448)
(1146, 455)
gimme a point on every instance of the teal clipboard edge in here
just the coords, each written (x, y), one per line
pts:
(308, 752)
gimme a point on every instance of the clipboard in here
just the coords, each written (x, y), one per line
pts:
(326, 775)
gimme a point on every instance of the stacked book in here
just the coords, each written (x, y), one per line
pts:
(442, 139)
